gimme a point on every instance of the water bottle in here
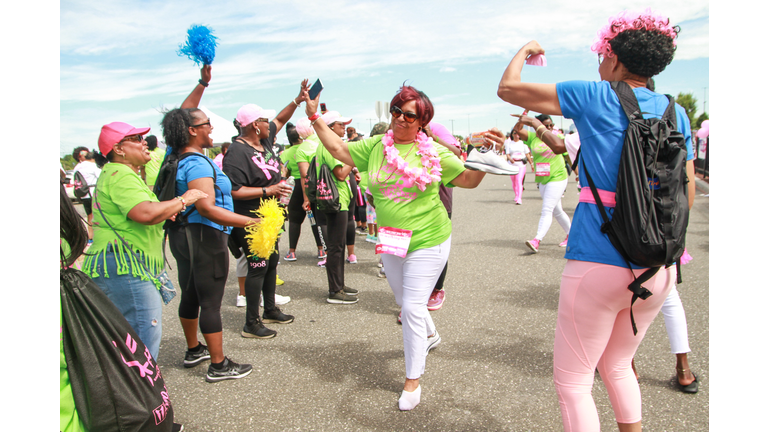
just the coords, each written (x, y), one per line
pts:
(311, 218)
(285, 199)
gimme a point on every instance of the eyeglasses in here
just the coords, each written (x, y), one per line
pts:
(203, 124)
(409, 116)
(133, 138)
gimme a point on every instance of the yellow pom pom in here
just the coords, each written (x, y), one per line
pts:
(262, 236)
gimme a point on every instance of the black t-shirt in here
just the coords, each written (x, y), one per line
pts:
(246, 166)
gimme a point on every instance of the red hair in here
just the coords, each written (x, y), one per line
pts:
(424, 108)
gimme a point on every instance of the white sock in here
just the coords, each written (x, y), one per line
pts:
(409, 400)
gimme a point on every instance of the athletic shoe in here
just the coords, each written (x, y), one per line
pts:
(194, 358)
(381, 273)
(565, 242)
(241, 301)
(341, 298)
(533, 244)
(276, 316)
(177, 427)
(352, 259)
(489, 162)
(371, 239)
(257, 331)
(400, 317)
(231, 370)
(519, 202)
(322, 263)
(350, 291)
(433, 341)
(321, 254)
(361, 231)
(380, 264)
(279, 300)
(291, 256)
(435, 301)
(278, 281)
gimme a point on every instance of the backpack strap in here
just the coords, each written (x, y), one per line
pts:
(627, 99)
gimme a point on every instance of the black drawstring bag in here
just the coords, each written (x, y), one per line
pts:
(327, 193)
(116, 384)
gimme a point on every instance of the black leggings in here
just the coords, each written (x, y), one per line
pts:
(260, 280)
(296, 216)
(202, 294)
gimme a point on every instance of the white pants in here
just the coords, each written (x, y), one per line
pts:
(674, 320)
(412, 279)
(551, 193)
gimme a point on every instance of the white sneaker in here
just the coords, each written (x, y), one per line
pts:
(241, 301)
(279, 300)
(489, 162)
(433, 341)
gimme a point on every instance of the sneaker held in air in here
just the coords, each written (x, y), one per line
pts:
(241, 301)
(435, 301)
(276, 316)
(291, 256)
(257, 331)
(230, 370)
(433, 341)
(533, 245)
(489, 162)
(564, 243)
(322, 263)
(278, 281)
(341, 298)
(352, 259)
(194, 357)
(350, 291)
(279, 300)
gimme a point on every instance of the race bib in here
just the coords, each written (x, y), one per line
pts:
(393, 241)
(542, 169)
(517, 156)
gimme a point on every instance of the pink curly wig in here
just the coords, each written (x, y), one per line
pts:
(628, 20)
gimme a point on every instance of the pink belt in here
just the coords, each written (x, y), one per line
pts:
(607, 198)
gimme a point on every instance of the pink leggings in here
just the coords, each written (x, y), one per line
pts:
(517, 183)
(594, 330)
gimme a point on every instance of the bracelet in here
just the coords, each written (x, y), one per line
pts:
(263, 192)
(537, 129)
(312, 123)
(202, 83)
(542, 135)
(183, 204)
(294, 102)
(314, 117)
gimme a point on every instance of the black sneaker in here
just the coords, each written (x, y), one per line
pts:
(231, 370)
(276, 316)
(349, 291)
(258, 331)
(341, 298)
(177, 427)
(194, 358)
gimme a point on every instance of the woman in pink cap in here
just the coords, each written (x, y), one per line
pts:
(594, 329)
(127, 232)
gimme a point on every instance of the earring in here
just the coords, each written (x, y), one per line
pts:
(258, 132)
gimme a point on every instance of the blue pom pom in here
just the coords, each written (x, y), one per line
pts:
(200, 46)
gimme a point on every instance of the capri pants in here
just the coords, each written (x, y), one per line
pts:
(674, 320)
(594, 330)
(296, 216)
(551, 193)
(412, 279)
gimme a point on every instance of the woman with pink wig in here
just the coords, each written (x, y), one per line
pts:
(593, 323)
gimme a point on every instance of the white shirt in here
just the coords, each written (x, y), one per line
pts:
(516, 149)
(90, 172)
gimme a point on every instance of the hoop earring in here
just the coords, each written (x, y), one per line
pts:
(258, 132)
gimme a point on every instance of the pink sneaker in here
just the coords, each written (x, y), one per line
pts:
(533, 244)
(436, 300)
(352, 259)
(565, 242)
(322, 263)
(400, 317)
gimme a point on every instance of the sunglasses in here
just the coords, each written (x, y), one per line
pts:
(133, 138)
(409, 116)
(203, 124)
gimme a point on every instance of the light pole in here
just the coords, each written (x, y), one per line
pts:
(452, 128)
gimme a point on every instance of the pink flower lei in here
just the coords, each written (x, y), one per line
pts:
(627, 20)
(430, 161)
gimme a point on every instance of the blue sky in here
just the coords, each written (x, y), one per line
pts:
(118, 60)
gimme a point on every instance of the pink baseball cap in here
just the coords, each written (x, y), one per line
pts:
(250, 112)
(334, 116)
(304, 128)
(114, 132)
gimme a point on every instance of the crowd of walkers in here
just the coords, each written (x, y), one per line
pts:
(394, 187)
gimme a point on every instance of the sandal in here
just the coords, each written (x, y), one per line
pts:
(690, 388)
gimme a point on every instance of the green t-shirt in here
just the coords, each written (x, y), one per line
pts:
(288, 158)
(307, 149)
(407, 208)
(153, 166)
(325, 157)
(541, 153)
(118, 191)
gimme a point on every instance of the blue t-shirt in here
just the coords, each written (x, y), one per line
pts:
(193, 168)
(601, 122)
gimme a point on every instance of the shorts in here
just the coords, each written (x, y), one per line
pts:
(370, 214)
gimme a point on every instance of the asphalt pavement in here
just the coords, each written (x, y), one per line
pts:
(341, 367)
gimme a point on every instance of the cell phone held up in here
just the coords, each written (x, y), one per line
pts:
(323, 109)
(315, 90)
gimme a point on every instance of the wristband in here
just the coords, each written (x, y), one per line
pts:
(314, 117)
(264, 192)
(202, 83)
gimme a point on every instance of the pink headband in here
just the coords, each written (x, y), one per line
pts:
(628, 20)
